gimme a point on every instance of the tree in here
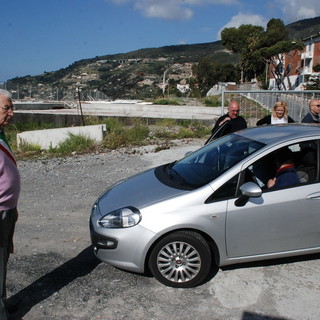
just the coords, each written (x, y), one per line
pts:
(244, 40)
(208, 73)
(274, 56)
(258, 48)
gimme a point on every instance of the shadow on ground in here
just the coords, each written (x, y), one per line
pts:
(79, 266)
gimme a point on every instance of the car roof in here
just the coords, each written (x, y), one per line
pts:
(273, 134)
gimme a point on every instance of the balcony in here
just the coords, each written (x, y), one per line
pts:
(306, 70)
(307, 55)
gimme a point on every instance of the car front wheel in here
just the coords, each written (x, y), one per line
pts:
(182, 259)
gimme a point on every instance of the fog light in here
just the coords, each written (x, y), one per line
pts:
(106, 243)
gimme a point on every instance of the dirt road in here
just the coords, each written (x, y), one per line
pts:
(54, 274)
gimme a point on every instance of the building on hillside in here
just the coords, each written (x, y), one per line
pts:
(296, 67)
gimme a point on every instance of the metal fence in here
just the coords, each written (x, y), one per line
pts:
(256, 104)
(48, 94)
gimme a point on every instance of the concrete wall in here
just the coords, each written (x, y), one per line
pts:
(38, 105)
(60, 120)
(52, 137)
(64, 120)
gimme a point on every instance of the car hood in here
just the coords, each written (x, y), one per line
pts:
(138, 191)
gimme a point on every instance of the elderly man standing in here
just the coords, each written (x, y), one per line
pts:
(313, 115)
(232, 119)
(9, 193)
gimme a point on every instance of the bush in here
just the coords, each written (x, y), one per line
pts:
(75, 143)
(121, 136)
(213, 101)
(167, 102)
(28, 150)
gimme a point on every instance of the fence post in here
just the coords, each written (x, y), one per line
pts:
(222, 99)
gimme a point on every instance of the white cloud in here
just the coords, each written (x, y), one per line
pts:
(165, 9)
(294, 10)
(241, 18)
(172, 9)
(120, 1)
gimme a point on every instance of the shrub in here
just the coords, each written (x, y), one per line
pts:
(75, 143)
(213, 101)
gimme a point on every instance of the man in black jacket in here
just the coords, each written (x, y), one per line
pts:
(232, 121)
(314, 110)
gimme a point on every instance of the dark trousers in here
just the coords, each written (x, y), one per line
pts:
(7, 224)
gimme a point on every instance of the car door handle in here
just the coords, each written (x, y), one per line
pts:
(314, 196)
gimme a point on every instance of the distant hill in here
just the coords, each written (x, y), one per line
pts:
(304, 28)
(135, 74)
(139, 73)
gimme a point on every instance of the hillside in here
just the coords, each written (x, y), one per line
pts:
(304, 28)
(135, 74)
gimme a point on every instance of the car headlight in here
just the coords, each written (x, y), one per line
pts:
(121, 218)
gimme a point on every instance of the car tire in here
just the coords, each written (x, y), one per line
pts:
(182, 259)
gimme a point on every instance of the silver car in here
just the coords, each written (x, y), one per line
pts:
(214, 207)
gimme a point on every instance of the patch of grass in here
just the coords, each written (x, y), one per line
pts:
(121, 136)
(167, 102)
(213, 101)
(74, 143)
(121, 133)
(171, 129)
(28, 150)
(166, 122)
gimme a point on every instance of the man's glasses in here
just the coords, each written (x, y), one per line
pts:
(7, 108)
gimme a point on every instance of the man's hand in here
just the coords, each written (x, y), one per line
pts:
(224, 121)
(271, 182)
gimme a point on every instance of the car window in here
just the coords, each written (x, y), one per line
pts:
(303, 163)
(226, 191)
(307, 163)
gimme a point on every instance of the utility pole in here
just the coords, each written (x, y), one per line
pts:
(79, 99)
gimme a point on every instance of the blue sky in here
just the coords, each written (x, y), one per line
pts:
(47, 35)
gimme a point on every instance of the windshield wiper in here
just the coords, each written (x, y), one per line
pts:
(179, 177)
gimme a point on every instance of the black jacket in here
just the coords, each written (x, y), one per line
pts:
(267, 120)
(236, 124)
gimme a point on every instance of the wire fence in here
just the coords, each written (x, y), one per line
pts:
(256, 104)
(48, 94)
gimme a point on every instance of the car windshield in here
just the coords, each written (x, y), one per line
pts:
(207, 163)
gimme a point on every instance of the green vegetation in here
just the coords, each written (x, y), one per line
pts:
(121, 136)
(208, 73)
(27, 150)
(74, 143)
(128, 132)
(259, 48)
(213, 101)
(169, 101)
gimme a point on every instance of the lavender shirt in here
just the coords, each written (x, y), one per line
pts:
(9, 180)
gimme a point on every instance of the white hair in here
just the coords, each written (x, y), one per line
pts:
(5, 93)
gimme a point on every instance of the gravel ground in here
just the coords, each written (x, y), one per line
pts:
(54, 274)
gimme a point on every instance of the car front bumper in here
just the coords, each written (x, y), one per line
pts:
(124, 248)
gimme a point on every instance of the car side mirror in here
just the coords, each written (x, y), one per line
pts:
(248, 190)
